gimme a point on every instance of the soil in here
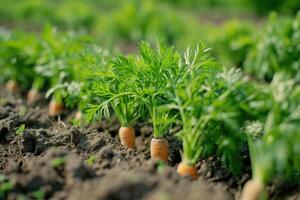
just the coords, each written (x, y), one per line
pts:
(52, 159)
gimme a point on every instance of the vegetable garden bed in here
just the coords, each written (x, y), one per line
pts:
(53, 159)
(158, 124)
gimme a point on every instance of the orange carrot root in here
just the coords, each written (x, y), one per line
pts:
(12, 86)
(159, 149)
(127, 137)
(184, 169)
(252, 190)
(33, 96)
(78, 115)
(55, 108)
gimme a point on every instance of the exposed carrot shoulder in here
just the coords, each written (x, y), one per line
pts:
(252, 190)
(12, 86)
(159, 149)
(78, 115)
(55, 108)
(184, 169)
(33, 96)
(127, 137)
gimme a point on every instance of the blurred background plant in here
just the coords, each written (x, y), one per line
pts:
(277, 49)
(177, 22)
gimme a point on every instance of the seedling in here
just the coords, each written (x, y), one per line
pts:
(21, 129)
(57, 162)
(39, 194)
(91, 160)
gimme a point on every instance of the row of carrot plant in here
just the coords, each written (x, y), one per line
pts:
(221, 111)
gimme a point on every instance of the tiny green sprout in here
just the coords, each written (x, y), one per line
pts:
(57, 162)
(161, 165)
(75, 122)
(91, 160)
(22, 110)
(5, 186)
(3, 101)
(21, 129)
(39, 194)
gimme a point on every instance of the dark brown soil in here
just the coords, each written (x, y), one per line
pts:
(52, 159)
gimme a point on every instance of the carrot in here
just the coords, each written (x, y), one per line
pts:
(78, 115)
(159, 149)
(55, 108)
(12, 86)
(127, 137)
(252, 190)
(184, 169)
(33, 96)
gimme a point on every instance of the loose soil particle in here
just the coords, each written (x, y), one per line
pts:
(68, 162)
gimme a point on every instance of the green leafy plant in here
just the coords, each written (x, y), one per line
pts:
(153, 71)
(4, 36)
(58, 66)
(233, 43)
(5, 186)
(213, 103)
(144, 20)
(185, 94)
(274, 146)
(19, 51)
(112, 89)
(156, 70)
(68, 70)
(277, 50)
(61, 68)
